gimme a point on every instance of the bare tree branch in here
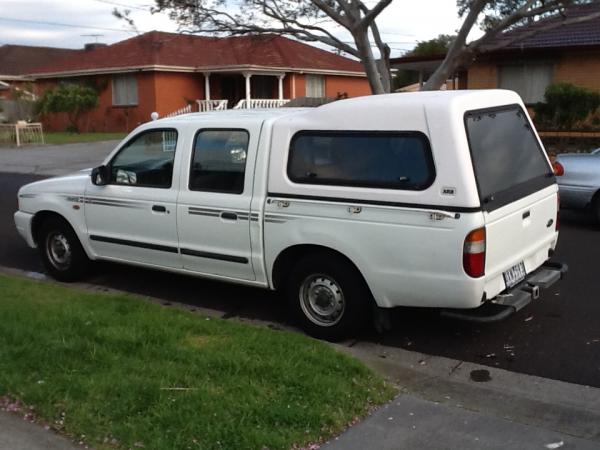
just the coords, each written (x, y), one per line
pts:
(373, 13)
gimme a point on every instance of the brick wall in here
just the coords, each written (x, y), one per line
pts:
(482, 76)
(580, 68)
(174, 90)
(106, 117)
(353, 86)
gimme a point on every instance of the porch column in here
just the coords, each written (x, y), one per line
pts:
(420, 79)
(247, 76)
(281, 77)
(207, 85)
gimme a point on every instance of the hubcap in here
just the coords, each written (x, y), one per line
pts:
(322, 300)
(58, 250)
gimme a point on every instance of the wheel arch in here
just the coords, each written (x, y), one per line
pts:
(41, 216)
(284, 262)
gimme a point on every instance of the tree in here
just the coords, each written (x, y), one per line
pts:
(315, 21)
(495, 17)
(72, 99)
(435, 46)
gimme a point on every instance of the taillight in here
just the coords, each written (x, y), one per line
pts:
(474, 253)
(559, 170)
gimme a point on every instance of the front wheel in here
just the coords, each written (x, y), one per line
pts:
(61, 252)
(328, 297)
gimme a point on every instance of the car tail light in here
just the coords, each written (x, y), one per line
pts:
(474, 253)
(559, 170)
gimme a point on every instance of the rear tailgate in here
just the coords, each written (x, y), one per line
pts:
(521, 232)
(518, 194)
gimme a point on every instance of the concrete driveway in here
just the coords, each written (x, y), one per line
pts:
(54, 159)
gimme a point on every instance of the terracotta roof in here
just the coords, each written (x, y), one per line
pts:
(22, 59)
(584, 34)
(178, 50)
(572, 35)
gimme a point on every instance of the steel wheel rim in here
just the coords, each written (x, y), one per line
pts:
(58, 250)
(322, 300)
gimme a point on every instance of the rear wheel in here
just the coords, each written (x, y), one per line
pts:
(328, 297)
(61, 252)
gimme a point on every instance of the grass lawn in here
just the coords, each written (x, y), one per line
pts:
(57, 138)
(125, 373)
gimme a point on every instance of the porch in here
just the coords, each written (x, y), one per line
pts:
(245, 90)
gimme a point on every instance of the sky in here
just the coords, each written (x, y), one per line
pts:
(70, 23)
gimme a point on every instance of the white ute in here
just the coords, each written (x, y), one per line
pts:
(441, 200)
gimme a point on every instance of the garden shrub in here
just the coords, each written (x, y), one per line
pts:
(565, 106)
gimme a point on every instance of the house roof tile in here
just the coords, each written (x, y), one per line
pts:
(178, 50)
(549, 36)
(21, 59)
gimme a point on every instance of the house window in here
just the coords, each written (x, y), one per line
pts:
(125, 90)
(315, 86)
(528, 80)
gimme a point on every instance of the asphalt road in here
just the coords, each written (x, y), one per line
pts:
(557, 336)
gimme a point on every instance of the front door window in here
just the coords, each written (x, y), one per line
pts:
(146, 160)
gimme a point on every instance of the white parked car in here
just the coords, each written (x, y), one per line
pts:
(443, 200)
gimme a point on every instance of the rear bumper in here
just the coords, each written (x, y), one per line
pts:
(515, 299)
(23, 223)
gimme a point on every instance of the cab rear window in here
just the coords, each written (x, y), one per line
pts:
(388, 160)
(509, 163)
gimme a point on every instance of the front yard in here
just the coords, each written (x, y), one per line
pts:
(125, 373)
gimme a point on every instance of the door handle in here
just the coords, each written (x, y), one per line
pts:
(228, 216)
(159, 208)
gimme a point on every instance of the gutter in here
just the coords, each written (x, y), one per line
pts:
(212, 69)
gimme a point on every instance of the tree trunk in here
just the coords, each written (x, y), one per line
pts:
(363, 45)
(451, 63)
(383, 66)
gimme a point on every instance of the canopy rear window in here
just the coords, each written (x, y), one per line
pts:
(509, 162)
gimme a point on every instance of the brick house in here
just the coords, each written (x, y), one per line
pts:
(165, 72)
(528, 63)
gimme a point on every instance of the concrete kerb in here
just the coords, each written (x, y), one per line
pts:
(554, 405)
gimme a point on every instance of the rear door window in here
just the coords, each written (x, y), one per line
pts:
(508, 161)
(219, 161)
(388, 160)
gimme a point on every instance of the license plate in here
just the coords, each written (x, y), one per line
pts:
(514, 275)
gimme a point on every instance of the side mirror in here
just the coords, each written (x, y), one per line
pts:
(100, 175)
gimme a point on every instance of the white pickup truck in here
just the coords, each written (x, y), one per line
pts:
(443, 200)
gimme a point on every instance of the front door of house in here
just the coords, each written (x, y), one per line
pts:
(232, 89)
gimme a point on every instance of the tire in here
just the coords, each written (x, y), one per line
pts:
(328, 297)
(60, 250)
